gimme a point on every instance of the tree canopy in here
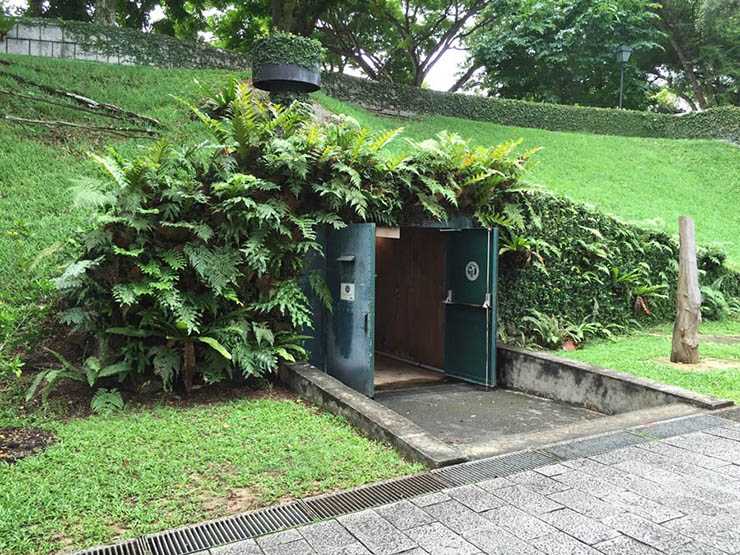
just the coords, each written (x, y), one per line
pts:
(564, 51)
(544, 50)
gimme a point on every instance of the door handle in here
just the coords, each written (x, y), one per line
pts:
(367, 322)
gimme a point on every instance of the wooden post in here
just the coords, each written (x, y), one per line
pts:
(685, 347)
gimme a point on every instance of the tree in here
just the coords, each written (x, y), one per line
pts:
(701, 62)
(563, 51)
(398, 40)
(685, 343)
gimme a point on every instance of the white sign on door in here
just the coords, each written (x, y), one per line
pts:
(472, 270)
(347, 292)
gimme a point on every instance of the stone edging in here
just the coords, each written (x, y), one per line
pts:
(607, 391)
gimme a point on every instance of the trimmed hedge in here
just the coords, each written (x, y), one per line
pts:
(139, 48)
(287, 48)
(716, 123)
(576, 284)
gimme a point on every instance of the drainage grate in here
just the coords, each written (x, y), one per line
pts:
(506, 465)
(131, 547)
(226, 530)
(672, 428)
(595, 446)
(328, 506)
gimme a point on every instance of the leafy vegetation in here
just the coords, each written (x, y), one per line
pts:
(151, 468)
(648, 182)
(573, 67)
(192, 267)
(286, 48)
(646, 353)
(38, 197)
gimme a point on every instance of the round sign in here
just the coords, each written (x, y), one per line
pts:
(472, 270)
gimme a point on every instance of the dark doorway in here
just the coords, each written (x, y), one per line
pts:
(410, 272)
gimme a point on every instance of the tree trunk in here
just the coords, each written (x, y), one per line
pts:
(35, 8)
(465, 77)
(105, 12)
(283, 15)
(687, 64)
(188, 365)
(685, 347)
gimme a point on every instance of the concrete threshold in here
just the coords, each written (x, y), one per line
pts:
(370, 417)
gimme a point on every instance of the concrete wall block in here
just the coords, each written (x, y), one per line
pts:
(31, 32)
(18, 46)
(12, 34)
(68, 50)
(52, 33)
(41, 48)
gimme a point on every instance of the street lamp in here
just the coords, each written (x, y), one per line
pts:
(623, 56)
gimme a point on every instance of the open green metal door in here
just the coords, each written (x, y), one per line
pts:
(350, 326)
(470, 323)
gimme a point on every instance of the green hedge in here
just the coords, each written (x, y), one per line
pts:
(716, 123)
(140, 48)
(287, 48)
(576, 283)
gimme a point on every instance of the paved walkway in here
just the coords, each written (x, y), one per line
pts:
(680, 495)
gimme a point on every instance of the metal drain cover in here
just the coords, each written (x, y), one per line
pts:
(328, 506)
(487, 469)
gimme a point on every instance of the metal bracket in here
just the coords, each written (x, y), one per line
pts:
(487, 302)
(448, 298)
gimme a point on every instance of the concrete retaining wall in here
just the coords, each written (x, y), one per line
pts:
(52, 41)
(114, 45)
(606, 391)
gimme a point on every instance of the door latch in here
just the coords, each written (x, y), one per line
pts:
(448, 299)
(487, 301)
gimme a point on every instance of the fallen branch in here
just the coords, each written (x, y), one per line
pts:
(123, 131)
(62, 104)
(83, 100)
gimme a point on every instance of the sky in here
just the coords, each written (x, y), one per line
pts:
(441, 77)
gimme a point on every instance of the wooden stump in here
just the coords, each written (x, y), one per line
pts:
(685, 347)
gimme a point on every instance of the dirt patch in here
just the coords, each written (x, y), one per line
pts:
(237, 500)
(17, 443)
(722, 339)
(704, 365)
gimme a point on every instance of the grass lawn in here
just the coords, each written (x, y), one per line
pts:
(149, 469)
(645, 181)
(647, 354)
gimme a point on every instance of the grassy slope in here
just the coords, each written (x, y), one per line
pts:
(143, 470)
(35, 176)
(646, 181)
(645, 355)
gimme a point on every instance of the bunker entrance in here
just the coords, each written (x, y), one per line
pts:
(410, 305)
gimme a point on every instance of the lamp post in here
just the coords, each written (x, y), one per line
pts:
(623, 55)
